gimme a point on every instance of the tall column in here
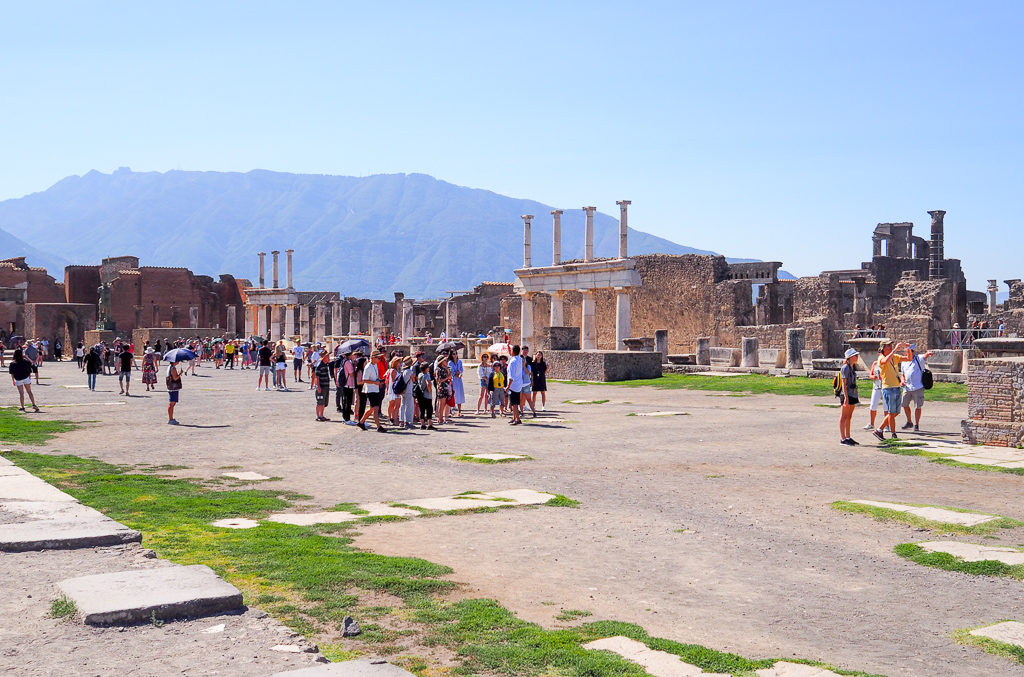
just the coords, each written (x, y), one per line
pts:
(408, 326)
(526, 325)
(622, 312)
(354, 324)
(588, 331)
(275, 318)
(274, 254)
(935, 247)
(263, 257)
(451, 318)
(288, 265)
(588, 234)
(304, 323)
(321, 322)
(232, 321)
(527, 218)
(556, 237)
(557, 308)
(623, 229)
(993, 291)
(376, 319)
(290, 320)
(250, 321)
(336, 318)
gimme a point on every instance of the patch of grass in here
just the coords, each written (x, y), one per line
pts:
(572, 614)
(883, 514)
(992, 646)
(560, 501)
(712, 477)
(908, 448)
(349, 507)
(775, 385)
(586, 401)
(230, 467)
(17, 428)
(337, 653)
(943, 560)
(62, 607)
(827, 406)
(490, 461)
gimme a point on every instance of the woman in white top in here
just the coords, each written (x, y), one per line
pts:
(393, 401)
(484, 374)
(874, 373)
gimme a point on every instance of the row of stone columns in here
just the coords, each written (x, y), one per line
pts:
(588, 321)
(288, 264)
(556, 235)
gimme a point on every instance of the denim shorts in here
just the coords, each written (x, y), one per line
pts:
(893, 398)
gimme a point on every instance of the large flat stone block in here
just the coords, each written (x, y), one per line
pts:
(27, 487)
(128, 597)
(58, 525)
(1009, 632)
(359, 668)
(656, 663)
(972, 552)
(602, 365)
(969, 519)
(785, 669)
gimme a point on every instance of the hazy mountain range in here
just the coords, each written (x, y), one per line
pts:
(365, 236)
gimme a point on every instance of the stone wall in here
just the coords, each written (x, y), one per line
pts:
(819, 296)
(821, 335)
(66, 322)
(602, 365)
(995, 405)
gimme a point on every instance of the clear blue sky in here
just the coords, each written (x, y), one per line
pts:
(776, 130)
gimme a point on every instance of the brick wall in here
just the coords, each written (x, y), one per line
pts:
(995, 405)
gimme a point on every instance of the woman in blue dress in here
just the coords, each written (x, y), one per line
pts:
(458, 390)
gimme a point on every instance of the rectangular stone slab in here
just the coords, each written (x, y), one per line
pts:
(656, 663)
(247, 476)
(28, 487)
(58, 525)
(972, 552)
(969, 519)
(359, 668)
(128, 597)
(306, 519)
(1009, 632)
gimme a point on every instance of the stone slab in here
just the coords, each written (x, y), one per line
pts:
(496, 457)
(307, 519)
(972, 552)
(786, 669)
(656, 663)
(58, 525)
(1009, 632)
(127, 597)
(385, 510)
(969, 519)
(235, 523)
(9, 470)
(660, 413)
(28, 487)
(358, 668)
(6, 461)
(247, 476)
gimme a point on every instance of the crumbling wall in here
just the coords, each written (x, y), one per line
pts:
(819, 296)
(995, 402)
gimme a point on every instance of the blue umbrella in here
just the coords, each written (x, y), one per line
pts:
(179, 355)
(353, 345)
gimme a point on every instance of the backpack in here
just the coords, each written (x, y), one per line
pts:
(499, 379)
(837, 384)
(398, 387)
(926, 375)
(417, 392)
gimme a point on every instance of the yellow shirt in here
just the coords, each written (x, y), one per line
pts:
(890, 372)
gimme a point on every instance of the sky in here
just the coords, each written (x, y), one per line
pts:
(781, 131)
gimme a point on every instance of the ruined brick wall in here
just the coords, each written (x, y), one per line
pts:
(1016, 300)
(481, 309)
(819, 296)
(81, 284)
(41, 288)
(66, 322)
(820, 334)
(920, 310)
(995, 402)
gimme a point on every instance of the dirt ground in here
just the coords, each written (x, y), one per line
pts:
(712, 528)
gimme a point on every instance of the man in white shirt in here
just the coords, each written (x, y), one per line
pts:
(516, 379)
(297, 352)
(372, 382)
(912, 370)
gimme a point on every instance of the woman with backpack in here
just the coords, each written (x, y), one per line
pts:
(848, 399)
(392, 399)
(407, 410)
(423, 391)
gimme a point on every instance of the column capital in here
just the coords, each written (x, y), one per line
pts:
(289, 251)
(275, 252)
(623, 203)
(527, 217)
(590, 210)
(557, 212)
(261, 253)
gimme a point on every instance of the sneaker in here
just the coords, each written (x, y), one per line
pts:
(847, 442)
(172, 422)
(869, 427)
(853, 442)
(908, 425)
(879, 434)
(916, 429)
(362, 426)
(543, 408)
(894, 436)
(351, 423)
(267, 389)
(21, 408)
(430, 427)
(381, 429)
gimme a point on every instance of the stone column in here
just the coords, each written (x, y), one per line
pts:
(408, 328)
(860, 300)
(557, 308)
(288, 266)
(275, 322)
(661, 343)
(451, 318)
(274, 254)
(336, 318)
(193, 317)
(232, 320)
(703, 350)
(376, 319)
(623, 228)
(993, 290)
(795, 338)
(321, 322)
(588, 234)
(556, 237)
(750, 358)
(622, 313)
(526, 324)
(527, 218)
(250, 320)
(353, 321)
(304, 323)
(263, 257)
(588, 331)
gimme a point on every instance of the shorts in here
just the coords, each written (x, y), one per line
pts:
(913, 396)
(526, 390)
(373, 399)
(892, 397)
(35, 368)
(264, 369)
(280, 366)
(513, 398)
(322, 396)
(498, 398)
(876, 398)
(296, 363)
(172, 395)
(24, 381)
(854, 401)
(124, 376)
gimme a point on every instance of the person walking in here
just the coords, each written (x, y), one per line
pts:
(540, 380)
(58, 350)
(526, 393)
(229, 351)
(322, 379)
(442, 387)
(149, 369)
(92, 365)
(876, 392)
(79, 354)
(423, 391)
(124, 375)
(20, 370)
(913, 385)
(458, 387)
(483, 376)
(280, 369)
(173, 382)
(516, 377)
(372, 382)
(848, 397)
(391, 399)
(297, 354)
(347, 386)
(892, 394)
(31, 353)
(264, 365)
(407, 412)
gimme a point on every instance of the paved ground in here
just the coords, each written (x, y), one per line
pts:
(764, 568)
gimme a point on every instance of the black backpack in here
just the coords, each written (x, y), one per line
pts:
(926, 375)
(398, 387)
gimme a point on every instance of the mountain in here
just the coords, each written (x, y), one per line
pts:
(11, 247)
(364, 236)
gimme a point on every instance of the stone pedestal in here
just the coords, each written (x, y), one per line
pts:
(622, 324)
(995, 402)
(588, 330)
(795, 338)
(354, 325)
(750, 355)
(557, 309)
(661, 343)
(704, 350)
(408, 329)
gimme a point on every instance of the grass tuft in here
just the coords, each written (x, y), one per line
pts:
(884, 514)
(62, 607)
(560, 501)
(943, 560)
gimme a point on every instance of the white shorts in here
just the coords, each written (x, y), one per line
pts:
(24, 382)
(280, 366)
(876, 398)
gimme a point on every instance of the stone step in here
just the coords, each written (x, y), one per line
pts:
(359, 668)
(58, 525)
(166, 593)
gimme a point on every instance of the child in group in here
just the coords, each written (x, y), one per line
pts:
(497, 384)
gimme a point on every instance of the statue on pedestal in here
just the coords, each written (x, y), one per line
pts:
(104, 319)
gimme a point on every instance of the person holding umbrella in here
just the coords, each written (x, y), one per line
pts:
(173, 381)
